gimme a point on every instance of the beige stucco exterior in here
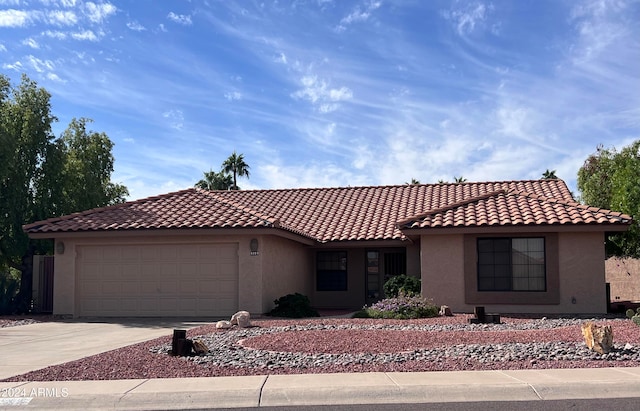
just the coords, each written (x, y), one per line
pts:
(623, 274)
(286, 265)
(575, 274)
(444, 260)
(278, 268)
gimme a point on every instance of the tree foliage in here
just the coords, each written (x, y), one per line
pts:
(215, 181)
(610, 179)
(236, 165)
(549, 175)
(42, 176)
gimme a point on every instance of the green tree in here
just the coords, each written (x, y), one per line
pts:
(26, 129)
(413, 182)
(459, 179)
(43, 177)
(610, 179)
(88, 165)
(549, 175)
(215, 181)
(236, 165)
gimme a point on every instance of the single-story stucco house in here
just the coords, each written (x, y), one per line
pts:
(512, 247)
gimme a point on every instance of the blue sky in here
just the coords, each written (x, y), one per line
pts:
(323, 93)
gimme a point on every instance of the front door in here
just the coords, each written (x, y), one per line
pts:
(381, 265)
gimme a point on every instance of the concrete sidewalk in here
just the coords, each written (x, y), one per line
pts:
(324, 389)
(34, 346)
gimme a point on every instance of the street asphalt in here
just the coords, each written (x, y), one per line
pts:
(30, 347)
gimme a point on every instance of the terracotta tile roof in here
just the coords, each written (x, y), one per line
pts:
(513, 208)
(347, 213)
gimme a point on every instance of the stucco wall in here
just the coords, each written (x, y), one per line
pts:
(623, 274)
(442, 261)
(580, 266)
(287, 269)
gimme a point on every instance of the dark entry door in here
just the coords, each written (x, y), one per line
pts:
(381, 265)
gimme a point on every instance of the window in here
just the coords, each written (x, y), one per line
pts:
(511, 264)
(331, 271)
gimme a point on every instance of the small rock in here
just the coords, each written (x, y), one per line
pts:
(199, 347)
(445, 311)
(628, 346)
(241, 319)
(223, 324)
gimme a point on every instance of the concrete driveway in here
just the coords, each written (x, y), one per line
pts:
(31, 347)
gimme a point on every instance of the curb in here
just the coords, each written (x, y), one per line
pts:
(324, 389)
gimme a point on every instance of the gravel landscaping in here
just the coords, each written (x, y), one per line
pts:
(326, 345)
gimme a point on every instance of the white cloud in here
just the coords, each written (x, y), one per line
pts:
(135, 26)
(40, 65)
(175, 118)
(62, 18)
(162, 28)
(233, 95)
(598, 25)
(14, 18)
(59, 35)
(281, 58)
(68, 3)
(96, 13)
(2, 47)
(85, 35)
(55, 77)
(359, 14)
(31, 42)
(318, 92)
(468, 17)
(17, 66)
(179, 18)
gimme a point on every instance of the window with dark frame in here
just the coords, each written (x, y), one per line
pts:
(511, 264)
(331, 271)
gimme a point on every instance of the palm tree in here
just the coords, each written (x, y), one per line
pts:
(237, 167)
(549, 175)
(215, 181)
(459, 179)
(413, 182)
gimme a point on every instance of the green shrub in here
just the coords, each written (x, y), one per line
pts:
(634, 316)
(293, 306)
(404, 284)
(361, 314)
(401, 308)
(8, 294)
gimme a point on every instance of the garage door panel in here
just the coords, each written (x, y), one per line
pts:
(189, 270)
(158, 280)
(112, 288)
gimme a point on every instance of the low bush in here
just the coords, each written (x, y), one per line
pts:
(293, 306)
(634, 316)
(404, 284)
(8, 294)
(400, 308)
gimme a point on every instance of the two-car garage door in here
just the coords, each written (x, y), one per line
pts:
(159, 280)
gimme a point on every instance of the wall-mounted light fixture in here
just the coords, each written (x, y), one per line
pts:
(253, 246)
(59, 247)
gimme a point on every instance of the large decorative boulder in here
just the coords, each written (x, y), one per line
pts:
(597, 337)
(241, 319)
(224, 324)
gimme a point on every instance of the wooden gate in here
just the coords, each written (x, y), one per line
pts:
(43, 284)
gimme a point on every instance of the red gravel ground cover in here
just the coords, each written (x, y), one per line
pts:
(137, 361)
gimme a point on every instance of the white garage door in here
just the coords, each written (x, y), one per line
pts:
(168, 280)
